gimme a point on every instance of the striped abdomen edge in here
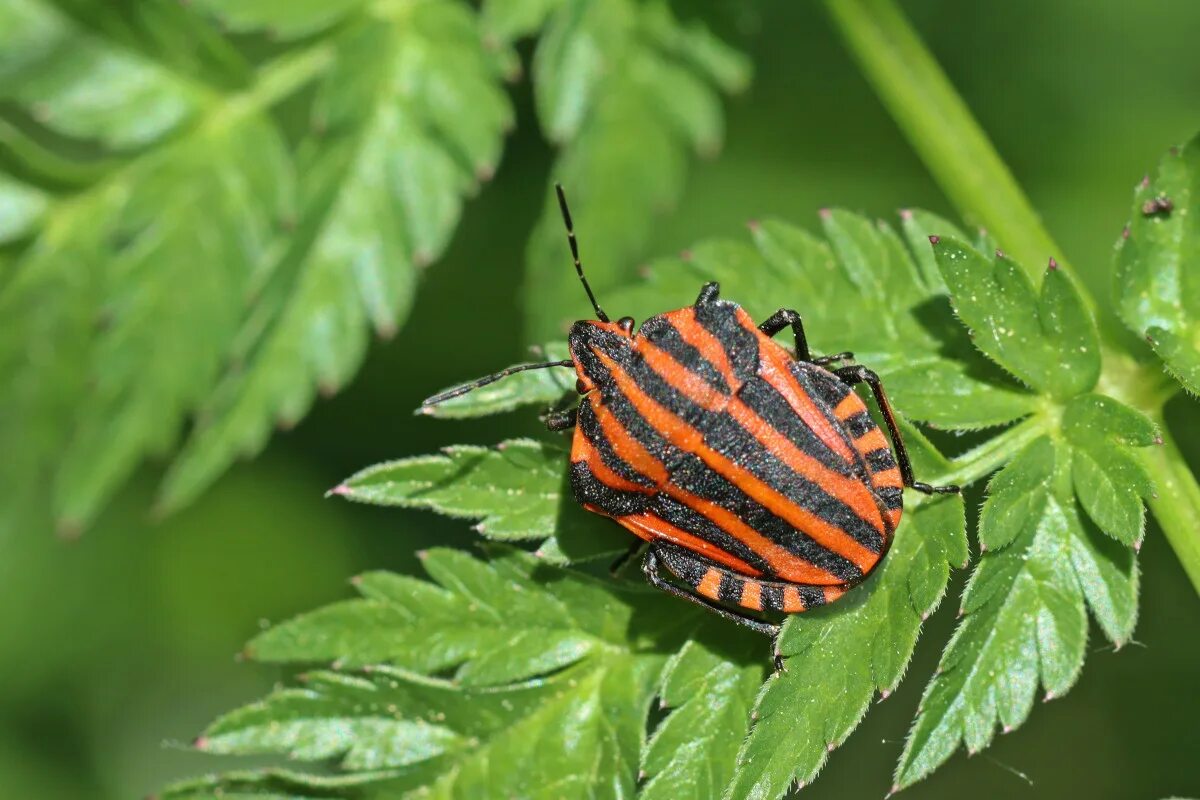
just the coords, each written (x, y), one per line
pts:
(870, 442)
(755, 594)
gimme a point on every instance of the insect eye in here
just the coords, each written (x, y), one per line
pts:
(626, 324)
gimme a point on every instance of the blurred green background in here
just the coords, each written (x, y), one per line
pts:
(116, 649)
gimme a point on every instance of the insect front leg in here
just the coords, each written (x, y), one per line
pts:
(858, 374)
(825, 361)
(782, 319)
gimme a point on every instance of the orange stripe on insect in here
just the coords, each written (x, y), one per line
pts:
(687, 438)
(584, 452)
(773, 367)
(871, 440)
(792, 602)
(783, 562)
(710, 584)
(699, 337)
(631, 451)
(888, 477)
(751, 595)
(850, 491)
(850, 405)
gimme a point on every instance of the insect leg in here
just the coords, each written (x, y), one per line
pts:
(825, 361)
(782, 319)
(650, 568)
(859, 374)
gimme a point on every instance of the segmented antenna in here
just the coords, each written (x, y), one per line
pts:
(562, 203)
(428, 404)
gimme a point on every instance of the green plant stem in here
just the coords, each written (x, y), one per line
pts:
(958, 154)
(939, 126)
(994, 453)
(1176, 502)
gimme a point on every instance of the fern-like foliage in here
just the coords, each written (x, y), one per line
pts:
(209, 267)
(627, 92)
(176, 252)
(1058, 531)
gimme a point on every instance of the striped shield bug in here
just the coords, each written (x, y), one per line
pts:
(754, 477)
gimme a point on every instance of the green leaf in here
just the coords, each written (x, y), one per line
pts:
(283, 19)
(918, 226)
(508, 20)
(512, 488)
(693, 751)
(518, 490)
(838, 657)
(409, 116)
(137, 305)
(1109, 480)
(559, 727)
(239, 315)
(21, 207)
(332, 716)
(1180, 354)
(1025, 621)
(1156, 287)
(1047, 339)
(494, 623)
(80, 85)
(281, 784)
(1017, 496)
(626, 90)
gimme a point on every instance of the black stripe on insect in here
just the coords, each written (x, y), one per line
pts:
(741, 467)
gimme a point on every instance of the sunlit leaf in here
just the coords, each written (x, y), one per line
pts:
(79, 85)
(281, 18)
(1025, 622)
(1156, 286)
(574, 720)
(21, 207)
(1046, 338)
(409, 116)
(710, 694)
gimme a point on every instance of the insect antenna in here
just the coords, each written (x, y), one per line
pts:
(562, 203)
(428, 404)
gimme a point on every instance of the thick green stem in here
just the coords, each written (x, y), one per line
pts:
(939, 126)
(994, 453)
(1176, 504)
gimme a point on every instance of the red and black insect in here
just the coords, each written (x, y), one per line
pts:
(757, 476)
